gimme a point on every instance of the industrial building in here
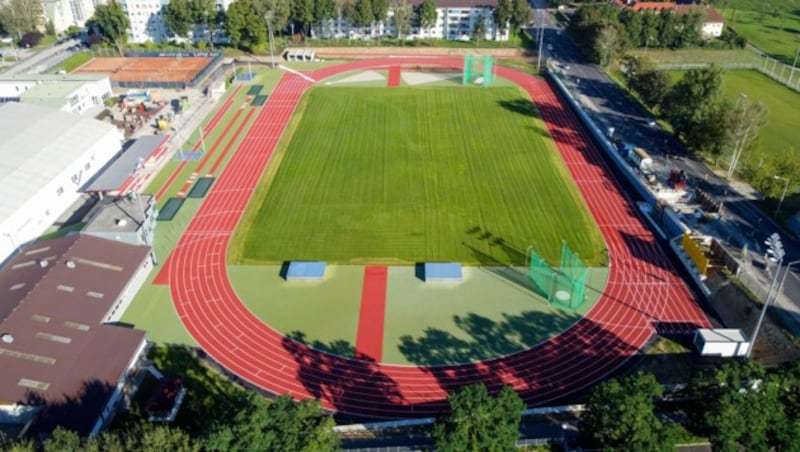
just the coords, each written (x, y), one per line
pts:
(81, 94)
(63, 364)
(46, 157)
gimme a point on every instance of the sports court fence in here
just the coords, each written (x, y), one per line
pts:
(152, 82)
(565, 286)
(788, 76)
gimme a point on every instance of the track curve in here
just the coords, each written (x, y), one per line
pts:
(643, 291)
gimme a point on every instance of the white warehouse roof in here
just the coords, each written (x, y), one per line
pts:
(37, 144)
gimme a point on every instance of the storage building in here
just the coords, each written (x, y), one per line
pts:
(46, 157)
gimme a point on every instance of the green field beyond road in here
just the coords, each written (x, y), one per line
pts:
(406, 175)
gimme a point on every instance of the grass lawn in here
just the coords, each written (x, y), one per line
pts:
(774, 27)
(75, 61)
(406, 175)
(698, 56)
(781, 134)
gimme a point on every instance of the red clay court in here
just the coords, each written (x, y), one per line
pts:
(139, 69)
(644, 294)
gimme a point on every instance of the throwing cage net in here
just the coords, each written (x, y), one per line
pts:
(565, 286)
(478, 70)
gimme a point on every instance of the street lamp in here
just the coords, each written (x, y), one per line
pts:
(268, 16)
(775, 253)
(783, 195)
(541, 42)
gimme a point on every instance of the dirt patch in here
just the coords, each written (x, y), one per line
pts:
(736, 310)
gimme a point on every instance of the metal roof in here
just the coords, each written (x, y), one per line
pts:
(722, 335)
(55, 352)
(38, 143)
(115, 176)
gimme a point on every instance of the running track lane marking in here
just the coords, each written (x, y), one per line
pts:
(394, 75)
(162, 277)
(369, 340)
(210, 152)
(228, 147)
(206, 131)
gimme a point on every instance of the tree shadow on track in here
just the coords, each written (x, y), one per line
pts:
(646, 249)
(345, 383)
(565, 364)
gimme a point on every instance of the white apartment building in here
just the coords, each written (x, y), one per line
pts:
(455, 20)
(64, 13)
(147, 20)
(71, 93)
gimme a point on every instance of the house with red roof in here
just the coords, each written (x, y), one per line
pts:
(712, 23)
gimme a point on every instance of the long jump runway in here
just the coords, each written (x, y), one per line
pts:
(644, 294)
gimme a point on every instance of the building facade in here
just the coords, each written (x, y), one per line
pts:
(47, 157)
(77, 94)
(64, 13)
(455, 20)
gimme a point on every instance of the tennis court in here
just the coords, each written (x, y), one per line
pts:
(147, 69)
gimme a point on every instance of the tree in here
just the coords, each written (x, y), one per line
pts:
(110, 20)
(427, 14)
(695, 109)
(738, 405)
(282, 424)
(379, 10)
(303, 12)
(479, 30)
(403, 13)
(206, 14)
(634, 25)
(178, 17)
(479, 421)
(245, 24)
(502, 15)
(62, 441)
(649, 83)
(520, 14)
(609, 44)
(31, 39)
(743, 122)
(323, 11)
(364, 15)
(20, 16)
(620, 415)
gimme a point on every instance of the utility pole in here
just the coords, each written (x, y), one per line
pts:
(541, 43)
(271, 47)
(783, 195)
(775, 253)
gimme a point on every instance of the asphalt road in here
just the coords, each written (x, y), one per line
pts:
(44, 59)
(613, 107)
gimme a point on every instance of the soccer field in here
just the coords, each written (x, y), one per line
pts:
(404, 175)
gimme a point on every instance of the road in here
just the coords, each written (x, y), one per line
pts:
(610, 106)
(44, 59)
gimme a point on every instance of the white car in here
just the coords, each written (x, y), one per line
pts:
(650, 122)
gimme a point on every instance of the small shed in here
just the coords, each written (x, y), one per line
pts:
(725, 343)
(217, 89)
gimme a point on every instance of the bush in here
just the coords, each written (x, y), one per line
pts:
(95, 40)
(31, 39)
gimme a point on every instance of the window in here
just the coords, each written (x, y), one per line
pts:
(87, 166)
(60, 191)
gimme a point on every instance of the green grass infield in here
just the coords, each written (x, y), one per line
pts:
(404, 175)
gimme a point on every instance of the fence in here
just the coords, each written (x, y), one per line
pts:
(788, 76)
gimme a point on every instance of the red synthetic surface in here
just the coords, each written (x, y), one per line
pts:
(394, 76)
(643, 294)
(162, 278)
(369, 341)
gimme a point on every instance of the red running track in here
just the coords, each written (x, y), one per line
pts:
(369, 340)
(394, 76)
(643, 293)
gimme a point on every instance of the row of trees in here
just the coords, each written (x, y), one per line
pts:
(738, 406)
(18, 17)
(478, 421)
(604, 32)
